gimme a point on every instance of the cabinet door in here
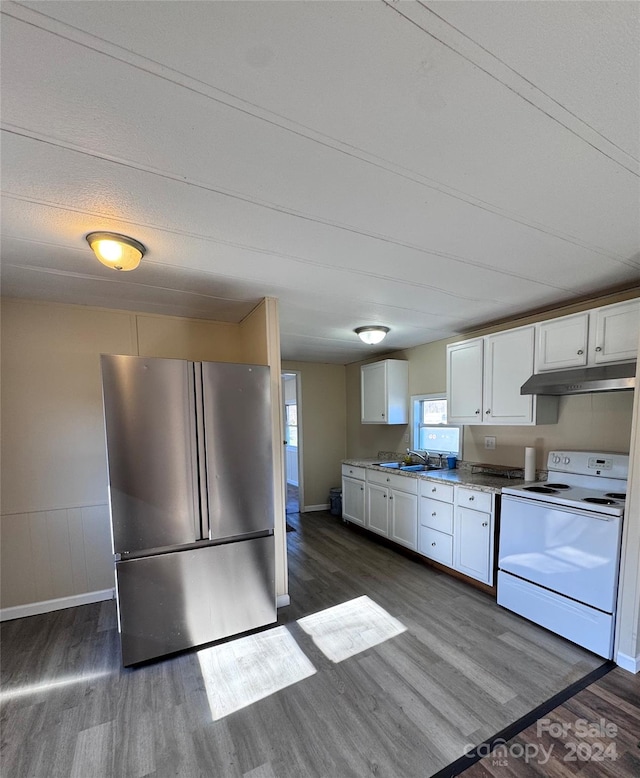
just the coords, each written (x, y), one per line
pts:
(353, 500)
(562, 343)
(464, 382)
(378, 509)
(473, 544)
(508, 364)
(615, 331)
(403, 510)
(373, 389)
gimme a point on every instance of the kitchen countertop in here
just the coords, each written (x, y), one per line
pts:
(462, 477)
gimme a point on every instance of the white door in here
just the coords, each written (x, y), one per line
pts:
(353, 500)
(615, 332)
(464, 382)
(404, 518)
(508, 364)
(373, 393)
(562, 343)
(567, 550)
(378, 509)
(472, 544)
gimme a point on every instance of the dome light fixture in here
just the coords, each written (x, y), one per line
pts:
(116, 251)
(372, 334)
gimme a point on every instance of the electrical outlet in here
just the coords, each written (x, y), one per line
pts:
(489, 441)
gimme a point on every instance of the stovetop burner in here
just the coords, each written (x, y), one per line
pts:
(557, 486)
(540, 489)
(599, 501)
(616, 495)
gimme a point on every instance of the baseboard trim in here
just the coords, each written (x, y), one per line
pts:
(47, 606)
(309, 508)
(282, 600)
(630, 663)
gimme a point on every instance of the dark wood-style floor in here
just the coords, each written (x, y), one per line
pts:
(453, 670)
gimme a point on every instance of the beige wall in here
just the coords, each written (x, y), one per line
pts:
(322, 407)
(599, 421)
(54, 527)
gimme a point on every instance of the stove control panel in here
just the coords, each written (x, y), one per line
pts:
(589, 463)
(600, 463)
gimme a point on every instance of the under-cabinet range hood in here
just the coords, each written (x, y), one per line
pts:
(601, 378)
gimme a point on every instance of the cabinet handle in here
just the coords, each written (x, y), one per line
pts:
(471, 499)
(382, 414)
(388, 479)
(433, 544)
(434, 513)
(488, 410)
(478, 411)
(434, 489)
(598, 348)
(362, 488)
(580, 352)
(391, 497)
(485, 523)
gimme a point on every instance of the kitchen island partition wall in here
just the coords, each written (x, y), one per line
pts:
(189, 449)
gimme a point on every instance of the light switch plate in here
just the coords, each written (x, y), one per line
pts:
(489, 441)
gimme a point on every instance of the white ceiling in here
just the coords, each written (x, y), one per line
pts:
(426, 166)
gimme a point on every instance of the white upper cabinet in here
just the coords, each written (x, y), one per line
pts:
(384, 390)
(614, 331)
(484, 377)
(562, 343)
(508, 362)
(597, 337)
(465, 370)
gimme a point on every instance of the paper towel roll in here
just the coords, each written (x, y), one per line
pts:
(529, 464)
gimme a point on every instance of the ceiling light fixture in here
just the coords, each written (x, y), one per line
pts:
(116, 251)
(372, 334)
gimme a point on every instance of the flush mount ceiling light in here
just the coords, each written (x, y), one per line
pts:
(116, 251)
(372, 334)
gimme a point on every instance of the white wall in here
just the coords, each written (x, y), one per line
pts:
(54, 519)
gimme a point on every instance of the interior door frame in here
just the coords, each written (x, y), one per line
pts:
(298, 376)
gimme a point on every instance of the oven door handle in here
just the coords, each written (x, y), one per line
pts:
(558, 507)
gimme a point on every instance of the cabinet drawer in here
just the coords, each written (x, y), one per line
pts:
(471, 498)
(436, 545)
(436, 491)
(403, 483)
(351, 471)
(437, 515)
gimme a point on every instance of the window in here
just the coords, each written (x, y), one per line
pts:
(430, 431)
(291, 425)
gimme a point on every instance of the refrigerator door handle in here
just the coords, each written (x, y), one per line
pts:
(192, 378)
(204, 532)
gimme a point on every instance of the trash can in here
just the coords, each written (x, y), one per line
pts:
(335, 501)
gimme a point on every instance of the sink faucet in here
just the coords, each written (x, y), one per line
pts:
(424, 457)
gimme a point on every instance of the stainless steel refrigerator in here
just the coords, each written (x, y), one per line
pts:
(189, 450)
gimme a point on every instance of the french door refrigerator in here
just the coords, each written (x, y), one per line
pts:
(189, 450)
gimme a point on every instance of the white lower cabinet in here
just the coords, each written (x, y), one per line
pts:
(457, 528)
(452, 525)
(473, 532)
(378, 509)
(353, 500)
(403, 512)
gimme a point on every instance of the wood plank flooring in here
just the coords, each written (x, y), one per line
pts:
(460, 670)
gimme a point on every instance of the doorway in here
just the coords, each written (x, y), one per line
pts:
(292, 440)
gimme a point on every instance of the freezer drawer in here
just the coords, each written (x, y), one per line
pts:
(186, 598)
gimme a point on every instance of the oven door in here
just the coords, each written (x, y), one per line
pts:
(567, 550)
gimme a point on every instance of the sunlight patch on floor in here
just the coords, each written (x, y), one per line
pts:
(13, 693)
(351, 627)
(241, 672)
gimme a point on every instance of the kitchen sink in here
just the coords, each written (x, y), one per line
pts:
(408, 468)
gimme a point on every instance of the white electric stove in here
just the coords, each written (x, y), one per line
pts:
(559, 549)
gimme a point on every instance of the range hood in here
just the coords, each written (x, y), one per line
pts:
(601, 378)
